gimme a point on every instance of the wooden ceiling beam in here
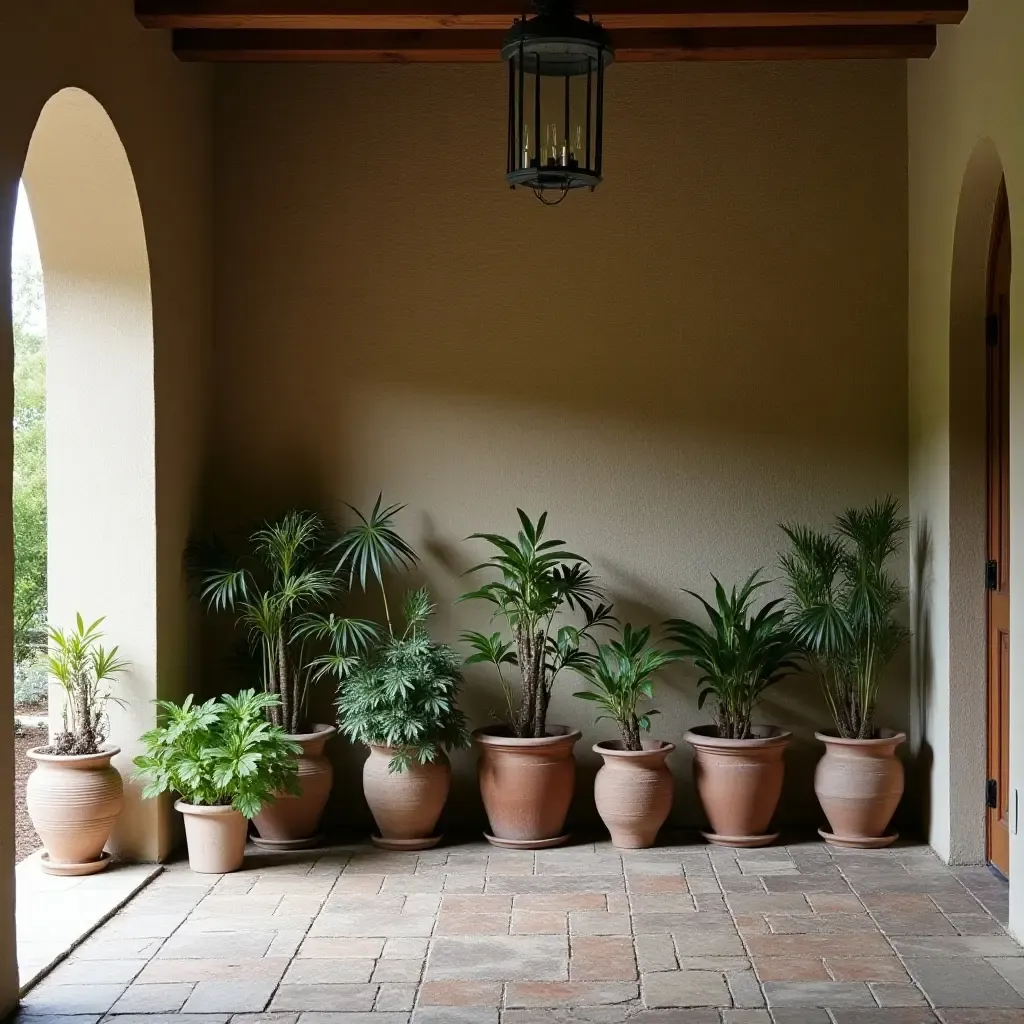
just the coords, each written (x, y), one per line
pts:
(475, 15)
(482, 46)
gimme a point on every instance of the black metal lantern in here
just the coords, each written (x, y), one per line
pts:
(556, 65)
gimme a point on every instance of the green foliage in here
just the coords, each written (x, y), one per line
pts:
(404, 693)
(29, 495)
(622, 675)
(220, 753)
(538, 579)
(80, 663)
(842, 607)
(741, 655)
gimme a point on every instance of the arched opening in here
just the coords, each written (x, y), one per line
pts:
(100, 478)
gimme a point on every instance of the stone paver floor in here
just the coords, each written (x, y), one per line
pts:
(682, 934)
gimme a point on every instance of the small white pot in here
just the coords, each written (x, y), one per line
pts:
(216, 838)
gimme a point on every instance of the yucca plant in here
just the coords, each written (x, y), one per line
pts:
(843, 604)
(83, 667)
(741, 655)
(622, 675)
(220, 753)
(404, 693)
(538, 580)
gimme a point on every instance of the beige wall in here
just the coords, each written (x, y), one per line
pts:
(712, 343)
(964, 113)
(160, 110)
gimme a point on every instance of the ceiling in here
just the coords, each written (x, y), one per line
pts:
(472, 30)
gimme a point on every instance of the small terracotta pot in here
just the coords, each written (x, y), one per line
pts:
(527, 785)
(859, 784)
(216, 838)
(73, 801)
(406, 805)
(739, 783)
(633, 791)
(291, 822)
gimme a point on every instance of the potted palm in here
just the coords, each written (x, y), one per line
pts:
(633, 789)
(527, 768)
(842, 606)
(74, 795)
(226, 763)
(738, 766)
(401, 700)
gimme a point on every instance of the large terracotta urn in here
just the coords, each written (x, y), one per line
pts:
(406, 805)
(293, 822)
(859, 784)
(215, 836)
(73, 801)
(527, 785)
(739, 783)
(633, 791)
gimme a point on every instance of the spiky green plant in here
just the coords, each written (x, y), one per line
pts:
(740, 656)
(538, 579)
(622, 675)
(843, 604)
(404, 693)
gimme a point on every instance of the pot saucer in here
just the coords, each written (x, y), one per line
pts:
(89, 867)
(527, 844)
(405, 844)
(287, 844)
(858, 842)
(740, 842)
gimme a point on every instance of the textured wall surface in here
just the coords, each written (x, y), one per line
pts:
(714, 342)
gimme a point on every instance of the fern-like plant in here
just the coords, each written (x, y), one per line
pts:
(221, 753)
(404, 693)
(740, 656)
(843, 602)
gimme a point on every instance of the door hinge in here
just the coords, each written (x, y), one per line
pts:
(992, 794)
(991, 574)
(992, 329)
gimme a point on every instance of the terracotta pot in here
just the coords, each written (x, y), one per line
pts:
(527, 785)
(291, 822)
(216, 838)
(633, 791)
(859, 784)
(406, 805)
(73, 802)
(739, 783)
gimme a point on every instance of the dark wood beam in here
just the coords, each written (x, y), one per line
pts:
(475, 15)
(631, 45)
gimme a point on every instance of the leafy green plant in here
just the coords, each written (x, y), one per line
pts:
(622, 675)
(740, 656)
(221, 753)
(404, 693)
(83, 667)
(538, 579)
(842, 607)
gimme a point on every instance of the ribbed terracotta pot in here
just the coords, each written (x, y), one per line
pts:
(633, 791)
(527, 785)
(73, 801)
(859, 784)
(739, 783)
(406, 805)
(292, 822)
(216, 838)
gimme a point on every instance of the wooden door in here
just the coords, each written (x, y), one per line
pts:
(998, 568)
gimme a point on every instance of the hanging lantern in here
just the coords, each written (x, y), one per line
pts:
(556, 66)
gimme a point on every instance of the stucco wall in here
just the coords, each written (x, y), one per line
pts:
(964, 128)
(160, 110)
(714, 342)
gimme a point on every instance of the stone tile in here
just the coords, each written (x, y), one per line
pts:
(971, 1016)
(366, 924)
(334, 998)
(405, 949)
(472, 924)
(265, 1018)
(677, 1016)
(744, 987)
(395, 997)
(457, 903)
(834, 903)
(782, 968)
(956, 946)
(178, 971)
(914, 924)
(963, 982)
(368, 884)
(664, 903)
(230, 996)
(655, 953)
(65, 1000)
(685, 988)
(160, 998)
(77, 1018)
(561, 902)
(818, 945)
(336, 948)
(217, 945)
(460, 993)
(539, 922)
(1011, 969)
(878, 968)
(602, 958)
(96, 972)
(820, 924)
(890, 1015)
(653, 885)
(746, 1017)
(700, 943)
(800, 1015)
(598, 922)
(976, 924)
(404, 971)
(569, 993)
(327, 1017)
(447, 1015)
(101, 948)
(143, 926)
(780, 903)
(499, 958)
(541, 884)
(330, 972)
(653, 924)
(721, 964)
(170, 1018)
(897, 994)
(818, 993)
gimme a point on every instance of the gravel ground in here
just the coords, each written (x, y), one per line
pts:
(26, 841)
